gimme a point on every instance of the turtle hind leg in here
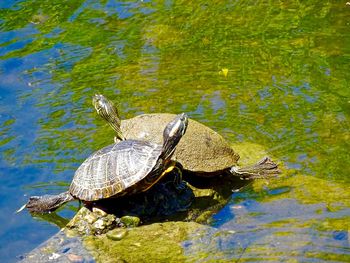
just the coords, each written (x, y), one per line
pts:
(265, 168)
(46, 203)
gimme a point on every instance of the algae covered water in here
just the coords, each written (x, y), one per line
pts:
(270, 76)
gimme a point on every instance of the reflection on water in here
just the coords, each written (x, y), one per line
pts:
(272, 73)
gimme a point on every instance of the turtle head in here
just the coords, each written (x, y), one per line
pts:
(172, 134)
(107, 110)
(104, 107)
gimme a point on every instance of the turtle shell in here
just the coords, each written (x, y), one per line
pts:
(115, 170)
(201, 150)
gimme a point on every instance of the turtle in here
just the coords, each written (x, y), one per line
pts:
(124, 168)
(202, 151)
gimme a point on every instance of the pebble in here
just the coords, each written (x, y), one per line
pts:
(99, 224)
(75, 258)
(90, 218)
(130, 221)
(54, 256)
(137, 244)
(117, 234)
(98, 212)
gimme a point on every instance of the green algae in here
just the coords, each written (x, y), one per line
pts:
(327, 256)
(162, 35)
(308, 190)
(330, 197)
(158, 242)
(130, 221)
(305, 189)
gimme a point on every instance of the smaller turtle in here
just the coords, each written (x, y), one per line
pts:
(202, 152)
(125, 168)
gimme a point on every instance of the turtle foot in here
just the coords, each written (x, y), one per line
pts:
(265, 168)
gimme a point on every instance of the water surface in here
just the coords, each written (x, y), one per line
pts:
(267, 72)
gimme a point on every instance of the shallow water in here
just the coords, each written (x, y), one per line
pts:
(271, 73)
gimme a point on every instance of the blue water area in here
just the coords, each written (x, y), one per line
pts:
(18, 232)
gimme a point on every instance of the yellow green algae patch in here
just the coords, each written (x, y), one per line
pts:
(250, 152)
(158, 242)
(305, 189)
(308, 190)
(162, 35)
(325, 198)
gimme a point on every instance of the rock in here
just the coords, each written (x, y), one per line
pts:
(99, 212)
(54, 256)
(59, 248)
(90, 218)
(130, 221)
(99, 224)
(117, 234)
(158, 242)
(94, 222)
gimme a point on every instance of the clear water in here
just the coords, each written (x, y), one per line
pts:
(268, 72)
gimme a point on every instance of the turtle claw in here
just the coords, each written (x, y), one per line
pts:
(21, 208)
(180, 187)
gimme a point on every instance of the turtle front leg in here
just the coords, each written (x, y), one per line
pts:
(179, 184)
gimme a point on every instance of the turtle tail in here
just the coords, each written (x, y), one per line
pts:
(265, 168)
(46, 203)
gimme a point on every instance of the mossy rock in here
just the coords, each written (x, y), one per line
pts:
(91, 222)
(158, 242)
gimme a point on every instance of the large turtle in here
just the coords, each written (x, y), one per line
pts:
(202, 151)
(128, 167)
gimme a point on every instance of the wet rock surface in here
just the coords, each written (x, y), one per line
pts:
(157, 242)
(59, 249)
(94, 234)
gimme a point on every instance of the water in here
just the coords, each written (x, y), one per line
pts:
(272, 73)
